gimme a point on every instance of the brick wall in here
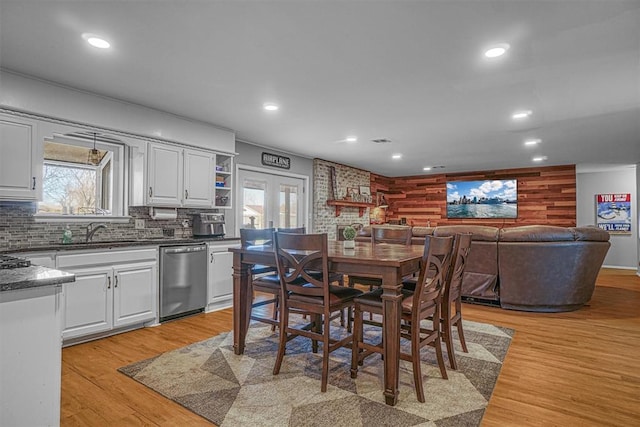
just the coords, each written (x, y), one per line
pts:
(324, 217)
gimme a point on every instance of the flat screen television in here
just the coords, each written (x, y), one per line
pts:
(496, 198)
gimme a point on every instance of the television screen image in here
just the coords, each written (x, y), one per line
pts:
(482, 199)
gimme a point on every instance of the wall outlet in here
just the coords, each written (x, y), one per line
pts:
(139, 224)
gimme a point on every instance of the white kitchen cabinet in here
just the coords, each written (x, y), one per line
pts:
(165, 176)
(220, 276)
(113, 289)
(20, 159)
(134, 293)
(31, 355)
(179, 177)
(198, 175)
(87, 302)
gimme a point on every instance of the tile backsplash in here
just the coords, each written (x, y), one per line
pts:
(18, 228)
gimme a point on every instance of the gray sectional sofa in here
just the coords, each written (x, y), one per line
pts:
(530, 268)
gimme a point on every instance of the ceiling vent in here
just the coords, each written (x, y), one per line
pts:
(381, 141)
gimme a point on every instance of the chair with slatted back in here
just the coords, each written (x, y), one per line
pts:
(385, 234)
(421, 304)
(299, 258)
(264, 278)
(452, 296)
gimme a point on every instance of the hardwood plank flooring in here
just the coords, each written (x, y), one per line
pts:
(580, 368)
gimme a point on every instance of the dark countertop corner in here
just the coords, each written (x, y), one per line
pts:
(32, 277)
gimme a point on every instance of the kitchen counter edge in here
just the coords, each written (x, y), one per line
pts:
(114, 244)
(32, 277)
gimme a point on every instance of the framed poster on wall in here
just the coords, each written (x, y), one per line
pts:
(613, 212)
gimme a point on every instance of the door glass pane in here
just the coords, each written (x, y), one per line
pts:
(288, 206)
(254, 204)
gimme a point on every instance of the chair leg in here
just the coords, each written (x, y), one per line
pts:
(448, 339)
(284, 324)
(415, 359)
(356, 340)
(276, 308)
(443, 368)
(325, 357)
(317, 327)
(461, 336)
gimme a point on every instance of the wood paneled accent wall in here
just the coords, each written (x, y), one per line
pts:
(545, 196)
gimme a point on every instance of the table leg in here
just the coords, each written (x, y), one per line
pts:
(241, 303)
(391, 300)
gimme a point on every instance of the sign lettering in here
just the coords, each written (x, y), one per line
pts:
(276, 161)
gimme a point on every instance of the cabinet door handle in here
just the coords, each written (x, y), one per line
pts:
(109, 282)
(186, 194)
(150, 191)
(116, 285)
(211, 261)
(33, 187)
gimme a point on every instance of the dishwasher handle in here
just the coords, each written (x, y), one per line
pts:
(184, 249)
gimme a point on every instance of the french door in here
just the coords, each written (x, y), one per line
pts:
(270, 200)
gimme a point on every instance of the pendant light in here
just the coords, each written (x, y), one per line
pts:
(94, 154)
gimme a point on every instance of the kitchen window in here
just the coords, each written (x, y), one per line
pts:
(78, 181)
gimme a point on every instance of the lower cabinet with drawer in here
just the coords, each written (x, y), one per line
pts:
(113, 290)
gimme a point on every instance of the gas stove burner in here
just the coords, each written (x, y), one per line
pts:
(9, 262)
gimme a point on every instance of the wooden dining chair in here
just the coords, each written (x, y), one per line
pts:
(451, 312)
(400, 235)
(263, 278)
(395, 235)
(421, 304)
(299, 257)
(333, 277)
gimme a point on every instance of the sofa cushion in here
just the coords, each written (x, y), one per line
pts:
(422, 231)
(478, 232)
(592, 234)
(536, 233)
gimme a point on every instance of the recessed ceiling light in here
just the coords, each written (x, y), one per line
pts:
(427, 168)
(532, 142)
(497, 50)
(518, 115)
(396, 156)
(96, 41)
(539, 158)
(269, 106)
(351, 139)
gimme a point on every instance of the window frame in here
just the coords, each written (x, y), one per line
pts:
(118, 155)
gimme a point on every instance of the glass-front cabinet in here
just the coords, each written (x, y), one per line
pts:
(223, 181)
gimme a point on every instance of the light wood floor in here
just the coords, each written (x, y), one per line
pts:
(570, 369)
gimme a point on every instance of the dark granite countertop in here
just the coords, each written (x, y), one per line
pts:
(116, 244)
(32, 277)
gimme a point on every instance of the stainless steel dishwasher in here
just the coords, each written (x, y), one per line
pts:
(183, 280)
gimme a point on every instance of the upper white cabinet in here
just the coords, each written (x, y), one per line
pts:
(165, 175)
(198, 175)
(179, 177)
(20, 159)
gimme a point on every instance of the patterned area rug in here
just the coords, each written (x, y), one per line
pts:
(230, 390)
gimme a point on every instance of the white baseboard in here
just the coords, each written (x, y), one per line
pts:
(620, 267)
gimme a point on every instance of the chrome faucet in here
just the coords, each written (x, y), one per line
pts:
(91, 230)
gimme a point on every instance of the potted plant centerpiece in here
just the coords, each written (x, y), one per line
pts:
(349, 234)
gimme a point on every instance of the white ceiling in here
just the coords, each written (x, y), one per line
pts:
(409, 71)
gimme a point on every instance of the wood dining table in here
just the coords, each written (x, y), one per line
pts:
(390, 262)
